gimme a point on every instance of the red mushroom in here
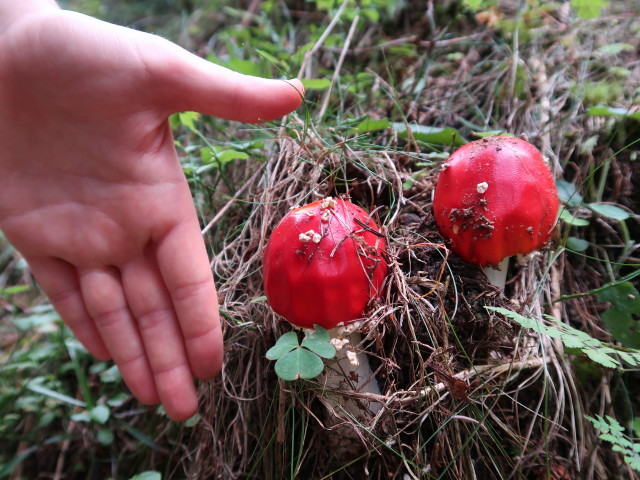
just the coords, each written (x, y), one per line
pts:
(496, 198)
(322, 265)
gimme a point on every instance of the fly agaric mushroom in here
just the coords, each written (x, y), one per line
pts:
(322, 265)
(495, 198)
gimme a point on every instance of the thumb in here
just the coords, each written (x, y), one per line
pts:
(186, 82)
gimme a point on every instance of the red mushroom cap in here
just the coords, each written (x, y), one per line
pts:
(495, 198)
(323, 264)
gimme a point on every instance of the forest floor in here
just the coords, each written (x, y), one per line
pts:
(538, 380)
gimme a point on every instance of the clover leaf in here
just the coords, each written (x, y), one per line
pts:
(621, 318)
(301, 360)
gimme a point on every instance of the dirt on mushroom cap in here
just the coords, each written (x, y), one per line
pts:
(324, 263)
(495, 198)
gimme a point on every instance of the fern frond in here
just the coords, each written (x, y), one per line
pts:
(602, 353)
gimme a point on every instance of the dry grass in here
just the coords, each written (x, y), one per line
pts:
(466, 394)
(450, 372)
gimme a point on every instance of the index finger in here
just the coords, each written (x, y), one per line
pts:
(183, 81)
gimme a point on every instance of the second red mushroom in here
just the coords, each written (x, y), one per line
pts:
(496, 198)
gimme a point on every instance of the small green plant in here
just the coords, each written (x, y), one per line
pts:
(573, 213)
(426, 135)
(621, 318)
(602, 353)
(616, 112)
(148, 475)
(611, 431)
(605, 354)
(589, 8)
(572, 198)
(369, 9)
(51, 389)
(301, 360)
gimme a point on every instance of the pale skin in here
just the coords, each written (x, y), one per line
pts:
(93, 196)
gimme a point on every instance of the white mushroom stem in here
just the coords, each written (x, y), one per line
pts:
(498, 276)
(350, 371)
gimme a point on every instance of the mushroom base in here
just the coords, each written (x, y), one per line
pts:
(497, 276)
(350, 372)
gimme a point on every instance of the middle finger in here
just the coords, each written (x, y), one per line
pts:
(151, 305)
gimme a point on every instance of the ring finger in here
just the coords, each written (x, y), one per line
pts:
(106, 304)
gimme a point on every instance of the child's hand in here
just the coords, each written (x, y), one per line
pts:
(92, 194)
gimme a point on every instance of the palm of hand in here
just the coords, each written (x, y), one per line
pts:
(94, 197)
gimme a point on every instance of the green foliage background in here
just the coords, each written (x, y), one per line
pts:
(60, 406)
